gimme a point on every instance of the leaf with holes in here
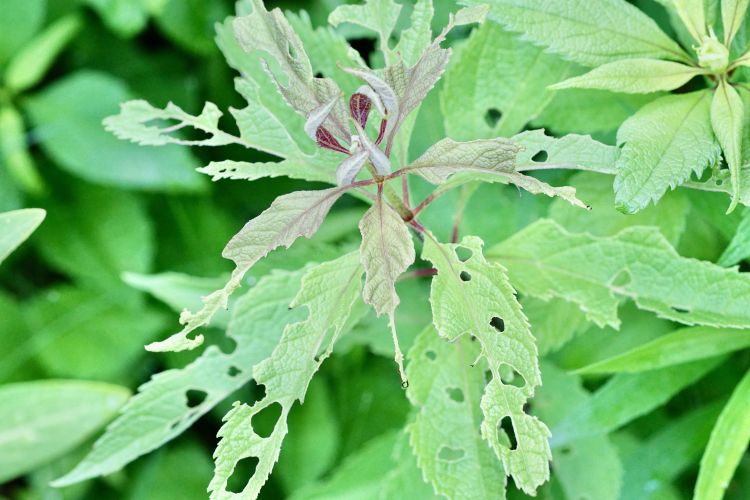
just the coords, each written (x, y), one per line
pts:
(328, 292)
(474, 297)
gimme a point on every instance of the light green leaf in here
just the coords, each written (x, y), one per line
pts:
(662, 144)
(496, 72)
(160, 410)
(189, 23)
(474, 297)
(590, 33)
(681, 346)
(634, 76)
(739, 247)
(44, 419)
(728, 442)
(693, 16)
(413, 41)
(21, 19)
(290, 216)
(578, 152)
(379, 16)
(597, 273)
(626, 397)
(727, 116)
(328, 292)
(446, 390)
(14, 151)
(29, 65)
(733, 14)
(16, 226)
(69, 126)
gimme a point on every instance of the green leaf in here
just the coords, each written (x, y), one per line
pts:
(21, 19)
(590, 33)
(578, 152)
(474, 297)
(190, 23)
(446, 390)
(739, 248)
(726, 446)
(662, 144)
(68, 123)
(124, 17)
(290, 216)
(379, 16)
(413, 41)
(681, 346)
(160, 410)
(597, 273)
(16, 226)
(733, 14)
(519, 73)
(554, 322)
(328, 292)
(29, 65)
(626, 397)
(693, 16)
(727, 116)
(14, 151)
(45, 419)
(634, 76)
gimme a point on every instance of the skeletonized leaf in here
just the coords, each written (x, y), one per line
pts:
(474, 297)
(16, 226)
(732, 16)
(290, 216)
(590, 33)
(634, 76)
(662, 144)
(597, 273)
(328, 292)
(727, 117)
(446, 390)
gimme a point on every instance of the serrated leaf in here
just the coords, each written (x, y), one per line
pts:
(160, 410)
(728, 442)
(634, 76)
(727, 116)
(474, 297)
(413, 41)
(590, 33)
(328, 292)
(597, 273)
(662, 144)
(733, 14)
(16, 226)
(379, 16)
(739, 247)
(446, 389)
(681, 346)
(289, 217)
(31, 434)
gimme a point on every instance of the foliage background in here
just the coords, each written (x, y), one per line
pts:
(74, 301)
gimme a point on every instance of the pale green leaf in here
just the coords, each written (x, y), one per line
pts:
(45, 419)
(681, 346)
(733, 14)
(290, 216)
(15, 155)
(626, 397)
(727, 116)
(634, 76)
(29, 65)
(446, 390)
(379, 16)
(474, 297)
(590, 33)
(413, 41)
(726, 446)
(328, 292)
(693, 16)
(577, 152)
(739, 247)
(662, 144)
(16, 226)
(597, 273)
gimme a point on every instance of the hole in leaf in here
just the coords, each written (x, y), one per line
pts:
(291, 50)
(498, 324)
(455, 394)
(243, 471)
(680, 310)
(264, 421)
(318, 75)
(465, 276)
(463, 254)
(719, 182)
(195, 397)
(233, 371)
(227, 345)
(509, 376)
(622, 279)
(540, 156)
(506, 427)
(487, 376)
(431, 355)
(492, 117)
(448, 454)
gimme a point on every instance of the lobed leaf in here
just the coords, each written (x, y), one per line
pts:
(379, 16)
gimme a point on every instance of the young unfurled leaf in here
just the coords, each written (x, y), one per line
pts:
(328, 292)
(290, 216)
(16, 226)
(446, 390)
(663, 143)
(474, 297)
(727, 116)
(635, 76)
(597, 273)
(733, 14)
(589, 33)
